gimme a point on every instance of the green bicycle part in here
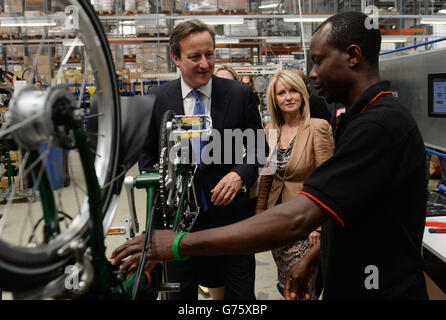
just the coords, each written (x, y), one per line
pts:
(150, 182)
(146, 291)
(130, 283)
(51, 226)
(103, 277)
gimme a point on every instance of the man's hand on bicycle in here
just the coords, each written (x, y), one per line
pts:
(129, 254)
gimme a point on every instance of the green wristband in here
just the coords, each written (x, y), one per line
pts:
(175, 244)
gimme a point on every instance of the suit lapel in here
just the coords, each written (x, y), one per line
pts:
(174, 98)
(300, 142)
(219, 104)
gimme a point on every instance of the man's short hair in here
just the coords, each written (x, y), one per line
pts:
(349, 28)
(183, 29)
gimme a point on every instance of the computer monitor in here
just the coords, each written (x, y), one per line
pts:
(437, 95)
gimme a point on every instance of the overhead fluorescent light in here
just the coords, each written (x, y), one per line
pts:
(390, 39)
(307, 19)
(213, 20)
(27, 22)
(268, 6)
(127, 23)
(282, 39)
(224, 40)
(433, 21)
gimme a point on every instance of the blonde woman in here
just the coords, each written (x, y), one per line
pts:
(226, 71)
(298, 145)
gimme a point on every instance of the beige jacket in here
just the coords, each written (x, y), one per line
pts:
(313, 145)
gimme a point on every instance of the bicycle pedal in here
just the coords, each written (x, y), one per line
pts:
(125, 230)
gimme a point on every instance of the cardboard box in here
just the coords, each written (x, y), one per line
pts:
(247, 29)
(166, 5)
(140, 6)
(237, 5)
(14, 155)
(5, 183)
(41, 61)
(135, 75)
(201, 6)
(13, 6)
(104, 6)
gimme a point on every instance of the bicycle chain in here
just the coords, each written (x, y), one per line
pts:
(163, 189)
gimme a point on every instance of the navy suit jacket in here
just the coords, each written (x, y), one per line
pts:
(233, 106)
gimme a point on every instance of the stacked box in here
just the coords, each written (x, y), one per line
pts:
(247, 29)
(124, 74)
(14, 52)
(151, 27)
(104, 6)
(6, 32)
(152, 58)
(134, 74)
(166, 5)
(13, 6)
(35, 5)
(233, 5)
(227, 53)
(141, 6)
(277, 27)
(72, 76)
(205, 6)
(5, 183)
(130, 5)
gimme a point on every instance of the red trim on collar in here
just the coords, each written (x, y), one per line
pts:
(377, 96)
(324, 206)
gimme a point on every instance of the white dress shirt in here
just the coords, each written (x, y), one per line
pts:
(189, 98)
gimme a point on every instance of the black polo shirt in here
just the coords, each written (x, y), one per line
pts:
(374, 188)
(318, 108)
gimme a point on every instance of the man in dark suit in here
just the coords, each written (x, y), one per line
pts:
(231, 105)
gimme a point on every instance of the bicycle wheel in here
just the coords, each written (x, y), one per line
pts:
(33, 253)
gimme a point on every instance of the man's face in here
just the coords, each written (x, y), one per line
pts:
(197, 59)
(330, 67)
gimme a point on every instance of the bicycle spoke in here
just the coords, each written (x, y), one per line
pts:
(58, 76)
(6, 131)
(92, 116)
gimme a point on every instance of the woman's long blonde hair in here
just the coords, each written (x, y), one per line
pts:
(229, 69)
(293, 79)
